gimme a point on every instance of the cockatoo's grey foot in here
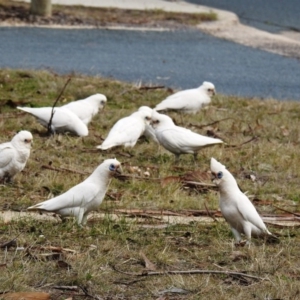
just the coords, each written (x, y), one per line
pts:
(242, 243)
(195, 156)
(177, 158)
(7, 180)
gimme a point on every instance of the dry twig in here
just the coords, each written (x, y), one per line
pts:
(11, 243)
(66, 287)
(55, 102)
(209, 124)
(254, 138)
(61, 169)
(155, 87)
(200, 183)
(287, 211)
(189, 272)
(209, 214)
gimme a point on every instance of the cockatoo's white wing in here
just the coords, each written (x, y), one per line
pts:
(86, 108)
(249, 213)
(43, 114)
(83, 110)
(184, 139)
(78, 196)
(126, 130)
(63, 119)
(7, 154)
(66, 120)
(184, 100)
(79, 108)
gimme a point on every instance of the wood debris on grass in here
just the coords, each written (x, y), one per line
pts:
(52, 253)
(141, 216)
(63, 169)
(192, 179)
(26, 296)
(9, 244)
(199, 180)
(190, 272)
(148, 264)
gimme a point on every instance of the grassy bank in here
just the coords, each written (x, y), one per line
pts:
(262, 151)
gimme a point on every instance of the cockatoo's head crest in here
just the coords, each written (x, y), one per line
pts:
(22, 139)
(218, 171)
(110, 166)
(160, 120)
(209, 88)
(98, 99)
(145, 108)
(145, 115)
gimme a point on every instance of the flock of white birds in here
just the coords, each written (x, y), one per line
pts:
(74, 117)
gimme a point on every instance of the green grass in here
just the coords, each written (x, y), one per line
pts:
(273, 157)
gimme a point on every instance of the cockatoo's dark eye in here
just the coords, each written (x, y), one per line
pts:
(27, 141)
(220, 175)
(112, 167)
(148, 118)
(103, 102)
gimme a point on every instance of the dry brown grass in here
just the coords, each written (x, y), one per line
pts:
(273, 157)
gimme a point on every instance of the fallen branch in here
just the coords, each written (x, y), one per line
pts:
(287, 211)
(86, 293)
(148, 212)
(199, 183)
(90, 150)
(66, 287)
(62, 169)
(209, 214)
(254, 138)
(155, 87)
(53, 249)
(128, 283)
(11, 243)
(124, 154)
(166, 212)
(55, 102)
(209, 124)
(189, 272)
(123, 176)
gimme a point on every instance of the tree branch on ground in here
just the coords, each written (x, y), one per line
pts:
(54, 104)
(190, 272)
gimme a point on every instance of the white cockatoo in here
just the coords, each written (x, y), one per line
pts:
(63, 119)
(127, 130)
(87, 108)
(85, 196)
(179, 140)
(149, 131)
(14, 155)
(235, 206)
(189, 101)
